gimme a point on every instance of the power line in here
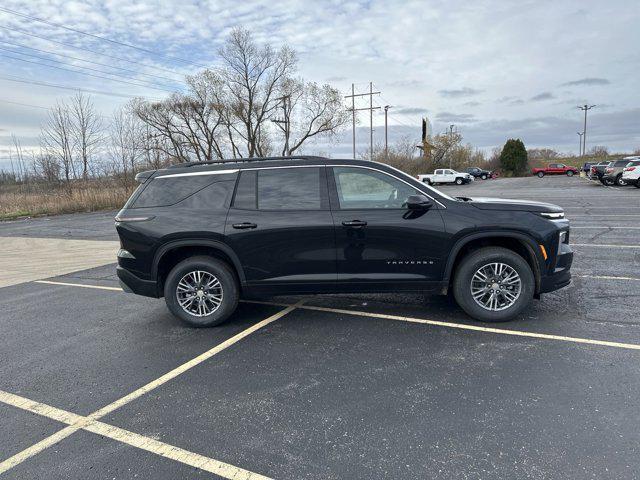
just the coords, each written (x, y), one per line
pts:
(84, 73)
(135, 72)
(24, 104)
(70, 45)
(98, 37)
(66, 87)
(150, 84)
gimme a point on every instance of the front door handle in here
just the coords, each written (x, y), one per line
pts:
(354, 223)
(244, 225)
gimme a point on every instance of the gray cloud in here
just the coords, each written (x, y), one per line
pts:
(587, 81)
(460, 92)
(471, 104)
(455, 117)
(410, 110)
(406, 83)
(335, 79)
(542, 96)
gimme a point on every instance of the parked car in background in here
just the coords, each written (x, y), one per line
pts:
(613, 172)
(631, 173)
(597, 170)
(555, 169)
(446, 175)
(479, 173)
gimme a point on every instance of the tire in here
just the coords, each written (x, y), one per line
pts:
(540, 174)
(483, 177)
(228, 291)
(477, 261)
(608, 183)
(619, 181)
(637, 184)
(459, 181)
(570, 173)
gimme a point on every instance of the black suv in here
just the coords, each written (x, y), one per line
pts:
(204, 235)
(479, 173)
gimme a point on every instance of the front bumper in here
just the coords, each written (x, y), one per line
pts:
(130, 283)
(561, 275)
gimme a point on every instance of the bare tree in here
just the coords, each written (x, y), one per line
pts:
(126, 140)
(254, 77)
(46, 167)
(57, 138)
(86, 127)
(309, 111)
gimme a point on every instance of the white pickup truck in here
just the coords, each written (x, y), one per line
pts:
(446, 175)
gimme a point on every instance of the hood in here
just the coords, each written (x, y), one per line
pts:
(485, 203)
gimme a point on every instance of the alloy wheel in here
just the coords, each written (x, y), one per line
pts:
(496, 286)
(199, 293)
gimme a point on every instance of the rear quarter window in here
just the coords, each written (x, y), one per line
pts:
(162, 192)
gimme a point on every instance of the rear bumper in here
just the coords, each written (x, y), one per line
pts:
(130, 283)
(561, 276)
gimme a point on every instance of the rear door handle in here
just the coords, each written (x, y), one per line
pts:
(244, 225)
(354, 223)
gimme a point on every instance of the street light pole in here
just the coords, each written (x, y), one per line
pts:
(386, 143)
(585, 108)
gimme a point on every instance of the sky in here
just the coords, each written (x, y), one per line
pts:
(494, 69)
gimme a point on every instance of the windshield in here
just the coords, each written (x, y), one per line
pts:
(424, 185)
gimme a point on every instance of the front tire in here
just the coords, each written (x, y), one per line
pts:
(619, 181)
(459, 181)
(483, 177)
(637, 184)
(201, 291)
(569, 173)
(493, 284)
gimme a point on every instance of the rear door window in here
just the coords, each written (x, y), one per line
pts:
(291, 189)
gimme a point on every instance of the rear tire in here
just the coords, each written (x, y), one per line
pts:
(619, 181)
(637, 184)
(506, 307)
(540, 174)
(483, 177)
(205, 302)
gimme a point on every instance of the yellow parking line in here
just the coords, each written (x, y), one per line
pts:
(64, 433)
(609, 277)
(80, 285)
(77, 422)
(461, 326)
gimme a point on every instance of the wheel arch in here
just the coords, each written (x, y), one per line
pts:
(518, 242)
(171, 253)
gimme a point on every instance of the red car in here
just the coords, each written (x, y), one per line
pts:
(555, 169)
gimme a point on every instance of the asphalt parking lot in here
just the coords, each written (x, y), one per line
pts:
(95, 383)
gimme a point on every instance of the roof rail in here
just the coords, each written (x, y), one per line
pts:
(246, 160)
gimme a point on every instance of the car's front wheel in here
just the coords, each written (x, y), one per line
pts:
(569, 173)
(493, 284)
(637, 184)
(483, 177)
(201, 291)
(459, 181)
(619, 181)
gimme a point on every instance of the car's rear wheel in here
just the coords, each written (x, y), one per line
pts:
(540, 174)
(619, 181)
(637, 184)
(493, 284)
(483, 177)
(459, 181)
(201, 291)
(607, 182)
(569, 173)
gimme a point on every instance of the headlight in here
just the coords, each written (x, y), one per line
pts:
(564, 236)
(552, 216)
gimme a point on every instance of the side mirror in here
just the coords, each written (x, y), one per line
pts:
(419, 202)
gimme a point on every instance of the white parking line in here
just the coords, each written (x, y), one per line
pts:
(78, 422)
(592, 227)
(80, 285)
(64, 433)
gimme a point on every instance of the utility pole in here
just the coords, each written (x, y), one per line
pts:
(585, 108)
(386, 142)
(450, 141)
(579, 143)
(285, 123)
(353, 110)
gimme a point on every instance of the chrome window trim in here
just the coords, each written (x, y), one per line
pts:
(194, 174)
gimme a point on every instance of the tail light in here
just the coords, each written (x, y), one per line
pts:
(608, 169)
(629, 169)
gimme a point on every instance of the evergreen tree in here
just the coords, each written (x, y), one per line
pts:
(513, 158)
